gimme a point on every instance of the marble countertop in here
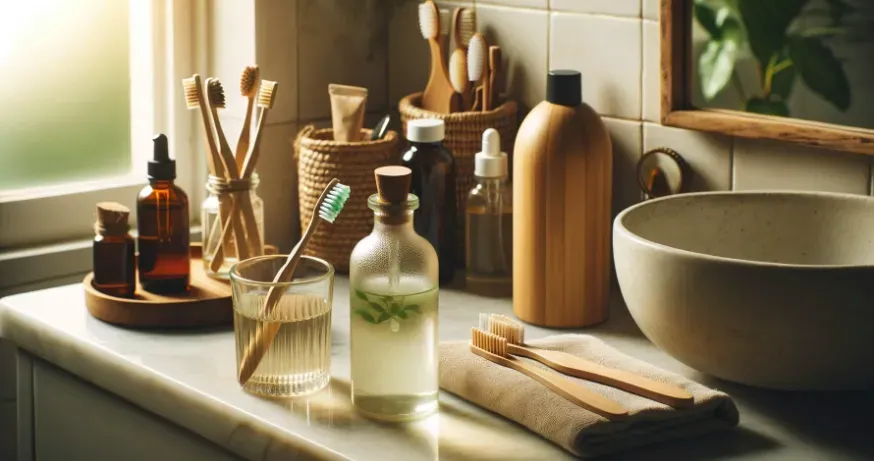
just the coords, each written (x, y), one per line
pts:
(188, 378)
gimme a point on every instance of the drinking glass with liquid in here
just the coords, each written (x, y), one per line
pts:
(298, 358)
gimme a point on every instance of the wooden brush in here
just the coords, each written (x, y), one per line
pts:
(266, 98)
(494, 73)
(477, 52)
(327, 208)
(438, 93)
(242, 216)
(248, 89)
(514, 334)
(195, 98)
(494, 348)
(464, 26)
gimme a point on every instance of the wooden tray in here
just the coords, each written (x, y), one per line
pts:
(207, 303)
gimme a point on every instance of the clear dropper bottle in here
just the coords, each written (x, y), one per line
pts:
(489, 222)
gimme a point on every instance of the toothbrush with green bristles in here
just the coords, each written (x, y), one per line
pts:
(327, 208)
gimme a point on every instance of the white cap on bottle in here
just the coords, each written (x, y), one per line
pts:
(426, 130)
(491, 162)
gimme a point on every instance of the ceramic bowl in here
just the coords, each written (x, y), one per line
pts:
(770, 289)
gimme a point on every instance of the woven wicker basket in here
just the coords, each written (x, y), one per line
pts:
(464, 131)
(320, 159)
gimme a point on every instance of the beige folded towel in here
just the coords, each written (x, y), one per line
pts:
(527, 402)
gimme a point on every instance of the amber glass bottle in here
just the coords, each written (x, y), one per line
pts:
(433, 182)
(113, 264)
(162, 220)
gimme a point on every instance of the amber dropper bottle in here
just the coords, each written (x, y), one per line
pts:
(114, 268)
(164, 262)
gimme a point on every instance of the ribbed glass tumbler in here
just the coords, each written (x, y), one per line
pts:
(288, 345)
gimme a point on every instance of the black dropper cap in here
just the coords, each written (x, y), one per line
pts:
(161, 167)
(564, 87)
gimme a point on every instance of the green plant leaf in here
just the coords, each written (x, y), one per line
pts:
(365, 314)
(706, 16)
(383, 317)
(377, 307)
(764, 106)
(821, 70)
(413, 307)
(766, 23)
(783, 81)
(395, 308)
(402, 314)
(360, 294)
(715, 66)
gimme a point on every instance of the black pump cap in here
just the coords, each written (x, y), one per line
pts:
(161, 167)
(564, 87)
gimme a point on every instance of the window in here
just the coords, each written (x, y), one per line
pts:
(85, 84)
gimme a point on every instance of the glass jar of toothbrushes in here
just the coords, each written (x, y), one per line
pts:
(233, 223)
(393, 280)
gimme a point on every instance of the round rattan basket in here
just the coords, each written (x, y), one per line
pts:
(464, 131)
(319, 160)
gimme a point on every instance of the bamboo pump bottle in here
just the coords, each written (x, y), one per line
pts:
(562, 219)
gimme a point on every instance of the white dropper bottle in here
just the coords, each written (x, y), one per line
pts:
(489, 222)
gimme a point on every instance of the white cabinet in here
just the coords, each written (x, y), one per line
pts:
(74, 420)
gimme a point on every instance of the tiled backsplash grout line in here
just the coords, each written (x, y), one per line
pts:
(731, 162)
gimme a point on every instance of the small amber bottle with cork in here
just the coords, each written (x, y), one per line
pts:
(113, 263)
(164, 261)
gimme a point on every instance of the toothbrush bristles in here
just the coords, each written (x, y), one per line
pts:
(489, 342)
(267, 94)
(429, 18)
(248, 81)
(476, 57)
(445, 21)
(468, 25)
(190, 87)
(334, 202)
(216, 93)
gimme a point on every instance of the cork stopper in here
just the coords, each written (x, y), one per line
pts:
(112, 218)
(393, 183)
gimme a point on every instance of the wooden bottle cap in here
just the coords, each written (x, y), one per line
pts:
(393, 183)
(112, 217)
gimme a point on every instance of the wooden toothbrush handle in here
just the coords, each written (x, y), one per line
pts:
(570, 390)
(262, 339)
(581, 368)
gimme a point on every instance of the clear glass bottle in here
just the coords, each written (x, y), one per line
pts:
(489, 222)
(210, 213)
(393, 281)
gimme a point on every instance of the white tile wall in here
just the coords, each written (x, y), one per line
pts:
(542, 4)
(630, 8)
(651, 9)
(627, 138)
(774, 165)
(607, 51)
(524, 52)
(708, 155)
(409, 60)
(276, 52)
(651, 81)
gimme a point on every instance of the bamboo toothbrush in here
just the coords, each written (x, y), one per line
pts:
(463, 26)
(514, 333)
(266, 98)
(248, 88)
(327, 208)
(438, 93)
(248, 234)
(494, 348)
(476, 68)
(494, 73)
(195, 98)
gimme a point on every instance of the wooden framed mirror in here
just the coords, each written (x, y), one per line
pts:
(787, 70)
